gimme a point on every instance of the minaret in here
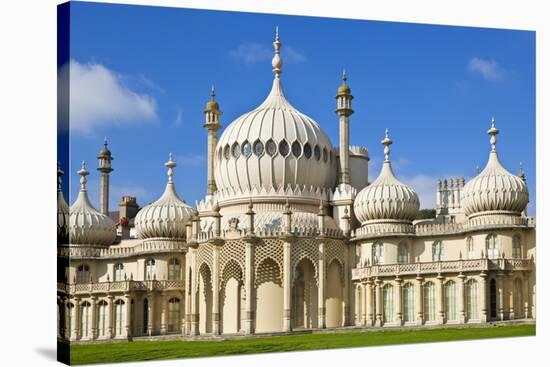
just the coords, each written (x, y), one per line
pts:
(104, 159)
(343, 109)
(212, 115)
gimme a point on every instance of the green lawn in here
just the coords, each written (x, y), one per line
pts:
(170, 349)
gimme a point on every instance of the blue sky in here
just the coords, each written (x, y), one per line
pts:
(142, 75)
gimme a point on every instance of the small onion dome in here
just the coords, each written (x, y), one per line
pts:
(386, 199)
(62, 212)
(104, 152)
(212, 105)
(344, 89)
(166, 217)
(494, 190)
(87, 226)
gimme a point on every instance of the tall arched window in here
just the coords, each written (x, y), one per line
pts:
(450, 301)
(437, 251)
(377, 253)
(173, 315)
(119, 272)
(516, 247)
(387, 297)
(471, 299)
(518, 299)
(174, 269)
(150, 269)
(102, 323)
(470, 247)
(83, 274)
(491, 246)
(85, 320)
(408, 302)
(429, 301)
(119, 317)
(402, 254)
(69, 319)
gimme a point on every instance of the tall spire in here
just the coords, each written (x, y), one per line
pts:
(387, 142)
(83, 172)
(170, 164)
(277, 61)
(493, 132)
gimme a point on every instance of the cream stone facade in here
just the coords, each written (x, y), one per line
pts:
(290, 236)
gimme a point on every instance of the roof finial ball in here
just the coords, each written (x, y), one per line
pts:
(493, 131)
(83, 172)
(170, 164)
(277, 61)
(387, 142)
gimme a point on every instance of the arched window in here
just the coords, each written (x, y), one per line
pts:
(247, 149)
(69, 319)
(283, 148)
(317, 152)
(83, 274)
(408, 302)
(119, 317)
(402, 254)
(102, 323)
(227, 152)
(491, 246)
(471, 299)
(470, 247)
(437, 251)
(450, 301)
(119, 272)
(150, 269)
(174, 315)
(387, 297)
(85, 320)
(258, 148)
(429, 301)
(174, 269)
(377, 253)
(236, 150)
(516, 247)
(518, 299)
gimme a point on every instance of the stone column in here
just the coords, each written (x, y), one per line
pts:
(398, 301)
(441, 300)
(419, 301)
(216, 289)
(77, 316)
(150, 312)
(111, 328)
(321, 283)
(378, 302)
(194, 294)
(511, 290)
(358, 302)
(369, 303)
(249, 287)
(500, 299)
(94, 317)
(483, 297)
(163, 312)
(287, 284)
(461, 299)
(347, 282)
(182, 314)
(187, 294)
(128, 326)
(364, 302)
(526, 295)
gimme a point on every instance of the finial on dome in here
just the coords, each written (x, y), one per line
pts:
(170, 164)
(212, 93)
(60, 174)
(105, 142)
(493, 131)
(521, 173)
(344, 77)
(277, 61)
(83, 172)
(387, 142)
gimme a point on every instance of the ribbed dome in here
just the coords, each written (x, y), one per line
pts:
(87, 226)
(386, 198)
(494, 190)
(274, 146)
(166, 217)
(62, 212)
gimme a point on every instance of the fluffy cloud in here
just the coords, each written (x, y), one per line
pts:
(425, 187)
(488, 69)
(251, 53)
(98, 97)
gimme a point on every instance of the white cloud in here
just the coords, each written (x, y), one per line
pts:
(179, 118)
(251, 53)
(488, 69)
(98, 97)
(425, 187)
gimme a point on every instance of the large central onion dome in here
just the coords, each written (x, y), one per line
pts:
(386, 199)
(273, 147)
(494, 190)
(87, 226)
(168, 216)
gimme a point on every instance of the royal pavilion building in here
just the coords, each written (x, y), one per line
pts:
(292, 236)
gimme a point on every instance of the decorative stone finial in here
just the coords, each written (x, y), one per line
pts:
(521, 173)
(344, 77)
(387, 142)
(83, 172)
(277, 61)
(105, 143)
(212, 93)
(493, 131)
(170, 164)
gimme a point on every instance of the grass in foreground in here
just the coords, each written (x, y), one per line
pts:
(170, 349)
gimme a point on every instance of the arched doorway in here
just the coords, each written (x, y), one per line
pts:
(205, 299)
(334, 297)
(304, 297)
(269, 297)
(230, 298)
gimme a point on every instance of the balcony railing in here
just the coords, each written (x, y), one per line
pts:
(123, 286)
(440, 267)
